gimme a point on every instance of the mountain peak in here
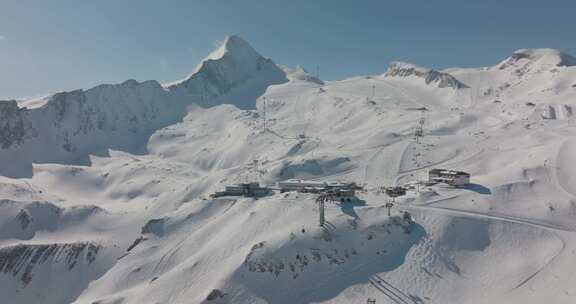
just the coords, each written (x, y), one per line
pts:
(543, 57)
(231, 45)
(232, 66)
(232, 41)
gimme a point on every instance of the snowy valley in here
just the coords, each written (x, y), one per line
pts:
(105, 192)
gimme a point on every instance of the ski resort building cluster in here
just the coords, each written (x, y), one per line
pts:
(335, 190)
(244, 189)
(450, 177)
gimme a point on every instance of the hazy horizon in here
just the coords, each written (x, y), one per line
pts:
(65, 45)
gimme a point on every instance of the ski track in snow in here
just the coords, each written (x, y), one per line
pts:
(149, 155)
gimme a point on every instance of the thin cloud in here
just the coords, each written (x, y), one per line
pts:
(2, 37)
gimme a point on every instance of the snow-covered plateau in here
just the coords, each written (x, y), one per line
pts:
(105, 193)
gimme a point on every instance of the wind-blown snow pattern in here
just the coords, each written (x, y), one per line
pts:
(105, 192)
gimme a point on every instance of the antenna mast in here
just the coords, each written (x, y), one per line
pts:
(321, 200)
(419, 128)
(418, 155)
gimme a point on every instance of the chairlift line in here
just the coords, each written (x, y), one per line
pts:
(264, 113)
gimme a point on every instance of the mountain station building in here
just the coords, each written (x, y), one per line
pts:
(450, 177)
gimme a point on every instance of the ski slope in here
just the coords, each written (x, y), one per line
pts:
(104, 193)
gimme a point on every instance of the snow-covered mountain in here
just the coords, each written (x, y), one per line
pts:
(234, 73)
(68, 126)
(440, 79)
(104, 193)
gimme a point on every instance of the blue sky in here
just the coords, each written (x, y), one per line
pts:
(49, 46)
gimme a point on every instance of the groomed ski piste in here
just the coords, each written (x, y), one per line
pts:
(105, 193)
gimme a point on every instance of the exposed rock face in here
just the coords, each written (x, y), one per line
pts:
(106, 115)
(533, 61)
(234, 66)
(430, 76)
(14, 124)
(39, 262)
(215, 294)
(24, 219)
(20, 260)
(154, 226)
(550, 56)
(70, 125)
(21, 220)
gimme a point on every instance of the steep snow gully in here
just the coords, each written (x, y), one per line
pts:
(105, 192)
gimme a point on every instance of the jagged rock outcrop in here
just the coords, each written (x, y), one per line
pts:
(430, 76)
(106, 115)
(21, 220)
(233, 73)
(70, 125)
(550, 56)
(14, 124)
(527, 61)
(21, 260)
